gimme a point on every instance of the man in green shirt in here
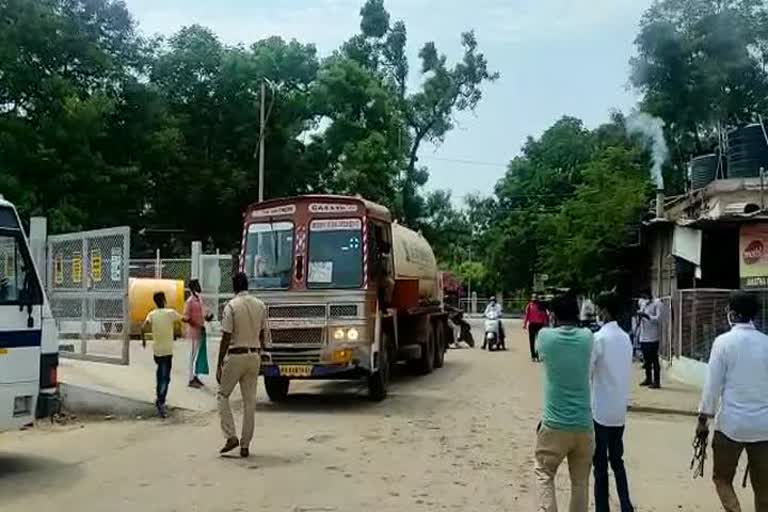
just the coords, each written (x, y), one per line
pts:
(565, 430)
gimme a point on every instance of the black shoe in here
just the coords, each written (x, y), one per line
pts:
(645, 383)
(656, 386)
(231, 444)
(162, 411)
(199, 382)
(244, 453)
(195, 384)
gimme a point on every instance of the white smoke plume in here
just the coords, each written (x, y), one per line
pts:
(652, 130)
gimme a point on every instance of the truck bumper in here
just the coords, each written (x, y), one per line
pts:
(316, 371)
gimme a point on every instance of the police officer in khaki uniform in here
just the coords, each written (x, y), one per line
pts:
(245, 337)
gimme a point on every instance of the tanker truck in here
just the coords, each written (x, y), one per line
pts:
(349, 292)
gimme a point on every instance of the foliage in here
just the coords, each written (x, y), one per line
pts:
(562, 207)
(99, 126)
(701, 65)
(427, 113)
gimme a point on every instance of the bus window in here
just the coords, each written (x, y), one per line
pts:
(18, 282)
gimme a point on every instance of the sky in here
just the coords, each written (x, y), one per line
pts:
(555, 57)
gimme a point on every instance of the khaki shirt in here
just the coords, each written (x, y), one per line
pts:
(245, 318)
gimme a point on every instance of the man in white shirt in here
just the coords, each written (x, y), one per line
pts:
(649, 316)
(611, 375)
(737, 379)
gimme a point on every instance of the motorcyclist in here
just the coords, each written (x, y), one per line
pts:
(493, 311)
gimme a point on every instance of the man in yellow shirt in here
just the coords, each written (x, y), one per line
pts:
(161, 322)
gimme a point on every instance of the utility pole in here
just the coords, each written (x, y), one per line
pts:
(262, 130)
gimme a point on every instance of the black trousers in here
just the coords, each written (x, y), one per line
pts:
(533, 331)
(651, 362)
(163, 377)
(609, 449)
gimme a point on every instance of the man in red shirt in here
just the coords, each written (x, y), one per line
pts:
(536, 317)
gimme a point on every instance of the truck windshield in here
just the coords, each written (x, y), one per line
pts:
(335, 254)
(269, 255)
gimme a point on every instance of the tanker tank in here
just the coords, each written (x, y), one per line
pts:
(415, 267)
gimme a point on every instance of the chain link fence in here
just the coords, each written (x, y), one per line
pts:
(697, 317)
(87, 283)
(215, 275)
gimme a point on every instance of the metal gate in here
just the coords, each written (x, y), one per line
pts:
(87, 279)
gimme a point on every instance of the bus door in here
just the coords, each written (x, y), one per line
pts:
(21, 304)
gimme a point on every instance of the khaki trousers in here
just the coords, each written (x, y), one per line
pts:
(726, 454)
(552, 447)
(240, 369)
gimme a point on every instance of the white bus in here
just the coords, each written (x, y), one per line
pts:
(29, 355)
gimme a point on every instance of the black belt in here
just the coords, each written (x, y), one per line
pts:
(243, 350)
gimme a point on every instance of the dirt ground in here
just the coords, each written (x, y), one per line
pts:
(459, 439)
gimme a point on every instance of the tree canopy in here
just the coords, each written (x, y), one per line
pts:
(101, 126)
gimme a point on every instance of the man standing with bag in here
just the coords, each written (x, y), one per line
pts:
(736, 380)
(245, 337)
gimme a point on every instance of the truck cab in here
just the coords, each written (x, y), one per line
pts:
(325, 267)
(28, 339)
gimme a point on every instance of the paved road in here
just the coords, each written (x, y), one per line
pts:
(459, 439)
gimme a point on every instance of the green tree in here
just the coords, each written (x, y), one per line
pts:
(427, 113)
(701, 66)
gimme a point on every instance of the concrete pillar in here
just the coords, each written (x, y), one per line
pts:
(197, 252)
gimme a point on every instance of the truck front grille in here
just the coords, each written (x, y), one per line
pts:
(308, 336)
(297, 311)
(295, 356)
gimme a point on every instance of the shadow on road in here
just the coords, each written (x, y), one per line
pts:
(335, 397)
(22, 475)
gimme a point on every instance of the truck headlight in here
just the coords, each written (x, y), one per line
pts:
(346, 334)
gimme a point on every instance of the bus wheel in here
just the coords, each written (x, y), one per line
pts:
(439, 337)
(378, 382)
(277, 388)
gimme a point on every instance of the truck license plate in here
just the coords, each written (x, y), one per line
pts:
(303, 370)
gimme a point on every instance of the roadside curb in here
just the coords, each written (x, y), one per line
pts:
(101, 402)
(661, 410)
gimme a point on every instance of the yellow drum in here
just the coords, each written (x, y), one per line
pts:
(141, 302)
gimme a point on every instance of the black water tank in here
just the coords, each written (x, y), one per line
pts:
(747, 151)
(703, 170)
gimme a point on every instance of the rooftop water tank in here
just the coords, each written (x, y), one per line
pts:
(703, 170)
(747, 151)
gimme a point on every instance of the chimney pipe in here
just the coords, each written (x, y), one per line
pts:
(659, 203)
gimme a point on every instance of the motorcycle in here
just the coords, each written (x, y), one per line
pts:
(493, 339)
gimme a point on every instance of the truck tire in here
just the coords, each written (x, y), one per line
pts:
(378, 382)
(277, 388)
(426, 363)
(440, 344)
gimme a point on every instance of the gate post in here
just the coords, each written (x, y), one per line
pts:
(197, 251)
(38, 236)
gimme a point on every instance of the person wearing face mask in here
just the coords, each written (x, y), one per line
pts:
(611, 373)
(649, 332)
(737, 381)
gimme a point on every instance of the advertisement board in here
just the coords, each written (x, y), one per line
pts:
(753, 255)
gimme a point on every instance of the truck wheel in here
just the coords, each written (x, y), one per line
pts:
(426, 363)
(439, 337)
(378, 383)
(277, 388)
